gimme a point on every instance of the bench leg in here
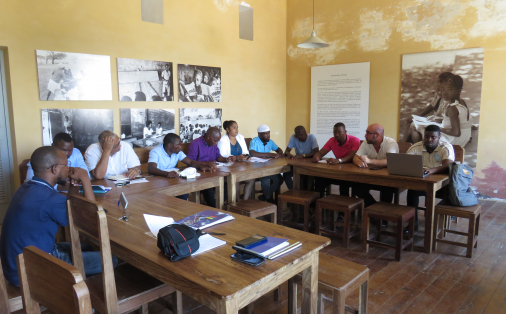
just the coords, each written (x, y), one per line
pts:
(346, 230)
(249, 308)
(318, 218)
(306, 216)
(470, 236)
(365, 232)
(177, 302)
(292, 296)
(411, 233)
(280, 210)
(321, 306)
(274, 217)
(362, 299)
(338, 302)
(477, 228)
(398, 239)
(144, 309)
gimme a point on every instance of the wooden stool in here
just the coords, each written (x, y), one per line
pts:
(394, 213)
(343, 204)
(445, 210)
(337, 278)
(254, 208)
(299, 197)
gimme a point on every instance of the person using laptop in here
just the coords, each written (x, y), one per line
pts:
(372, 154)
(437, 156)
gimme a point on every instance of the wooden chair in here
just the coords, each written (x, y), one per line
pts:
(300, 197)
(10, 295)
(254, 208)
(51, 282)
(23, 169)
(337, 278)
(443, 211)
(119, 290)
(343, 204)
(390, 212)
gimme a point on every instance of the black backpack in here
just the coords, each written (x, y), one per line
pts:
(178, 241)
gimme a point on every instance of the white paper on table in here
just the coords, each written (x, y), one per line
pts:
(323, 161)
(155, 223)
(257, 159)
(208, 242)
(143, 180)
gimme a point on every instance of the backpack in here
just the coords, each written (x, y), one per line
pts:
(178, 241)
(460, 193)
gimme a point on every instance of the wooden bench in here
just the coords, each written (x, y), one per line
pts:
(10, 296)
(254, 208)
(337, 278)
(300, 197)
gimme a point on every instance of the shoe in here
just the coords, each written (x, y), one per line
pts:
(406, 230)
(261, 198)
(384, 223)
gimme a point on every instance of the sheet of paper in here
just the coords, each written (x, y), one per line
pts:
(257, 159)
(208, 242)
(143, 180)
(423, 121)
(120, 177)
(323, 161)
(155, 223)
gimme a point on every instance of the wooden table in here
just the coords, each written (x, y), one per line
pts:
(242, 171)
(350, 172)
(213, 278)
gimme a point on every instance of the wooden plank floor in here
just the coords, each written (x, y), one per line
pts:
(442, 282)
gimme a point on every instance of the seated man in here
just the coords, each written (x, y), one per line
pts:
(37, 210)
(205, 150)
(163, 159)
(65, 143)
(305, 147)
(437, 156)
(262, 146)
(373, 153)
(344, 147)
(110, 157)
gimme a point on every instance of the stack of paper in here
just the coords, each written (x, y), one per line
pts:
(273, 248)
(257, 159)
(121, 177)
(205, 219)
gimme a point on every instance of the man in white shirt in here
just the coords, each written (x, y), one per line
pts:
(437, 156)
(148, 131)
(110, 157)
(372, 154)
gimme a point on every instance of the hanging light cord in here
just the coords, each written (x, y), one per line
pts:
(313, 15)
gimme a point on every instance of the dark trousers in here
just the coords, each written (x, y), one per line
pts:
(413, 199)
(184, 197)
(269, 188)
(362, 190)
(322, 183)
(209, 197)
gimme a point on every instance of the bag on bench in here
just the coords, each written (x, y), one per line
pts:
(460, 179)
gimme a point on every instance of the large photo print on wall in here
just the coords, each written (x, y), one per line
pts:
(145, 80)
(73, 76)
(84, 125)
(194, 122)
(199, 83)
(443, 88)
(146, 127)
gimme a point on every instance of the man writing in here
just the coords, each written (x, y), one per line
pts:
(305, 147)
(36, 211)
(110, 157)
(344, 147)
(437, 156)
(373, 154)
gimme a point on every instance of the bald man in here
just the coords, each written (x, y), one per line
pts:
(373, 154)
(36, 211)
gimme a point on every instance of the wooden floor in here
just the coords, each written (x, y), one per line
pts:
(442, 282)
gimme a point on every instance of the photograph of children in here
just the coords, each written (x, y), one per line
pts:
(146, 127)
(199, 83)
(145, 80)
(443, 88)
(194, 122)
(73, 76)
(84, 125)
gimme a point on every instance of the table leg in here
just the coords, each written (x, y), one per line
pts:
(292, 296)
(362, 299)
(231, 187)
(296, 179)
(227, 307)
(430, 201)
(219, 195)
(310, 287)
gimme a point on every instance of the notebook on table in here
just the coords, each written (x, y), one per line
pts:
(205, 219)
(405, 165)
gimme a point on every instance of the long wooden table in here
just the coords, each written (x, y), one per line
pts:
(213, 278)
(352, 173)
(242, 171)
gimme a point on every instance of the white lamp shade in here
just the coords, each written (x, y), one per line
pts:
(313, 42)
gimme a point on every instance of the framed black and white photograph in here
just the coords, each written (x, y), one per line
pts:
(84, 125)
(145, 80)
(432, 82)
(194, 122)
(199, 83)
(146, 127)
(73, 76)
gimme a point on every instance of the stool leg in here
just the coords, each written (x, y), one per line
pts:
(280, 210)
(292, 296)
(306, 216)
(361, 215)
(365, 232)
(411, 233)
(477, 229)
(346, 231)
(321, 306)
(274, 217)
(362, 299)
(470, 236)
(249, 308)
(398, 239)
(318, 218)
(378, 236)
(338, 302)
(443, 219)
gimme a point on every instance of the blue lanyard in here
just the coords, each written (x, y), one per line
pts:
(43, 183)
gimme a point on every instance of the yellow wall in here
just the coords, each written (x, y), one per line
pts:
(201, 32)
(380, 32)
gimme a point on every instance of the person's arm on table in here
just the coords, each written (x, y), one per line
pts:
(202, 166)
(287, 153)
(344, 160)
(359, 162)
(441, 169)
(153, 170)
(77, 175)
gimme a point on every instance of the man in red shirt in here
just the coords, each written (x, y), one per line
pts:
(344, 147)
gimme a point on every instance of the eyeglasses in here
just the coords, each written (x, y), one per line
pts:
(370, 133)
(69, 164)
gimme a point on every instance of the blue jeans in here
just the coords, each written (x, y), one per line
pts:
(269, 188)
(91, 259)
(184, 197)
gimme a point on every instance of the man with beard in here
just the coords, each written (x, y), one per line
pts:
(36, 211)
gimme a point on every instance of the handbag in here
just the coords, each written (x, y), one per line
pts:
(178, 241)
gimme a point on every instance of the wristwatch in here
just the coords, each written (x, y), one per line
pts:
(340, 160)
(303, 155)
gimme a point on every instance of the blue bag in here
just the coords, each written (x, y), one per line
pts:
(460, 179)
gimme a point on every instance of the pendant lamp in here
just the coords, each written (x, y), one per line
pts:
(313, 41)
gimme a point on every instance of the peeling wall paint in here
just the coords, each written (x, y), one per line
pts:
(375, 30)
(492, 183)
(223, 5)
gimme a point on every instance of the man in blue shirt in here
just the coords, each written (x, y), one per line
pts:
(262, 146)
(37, 210)
(164, 158)
(305, 147)
(65, 143)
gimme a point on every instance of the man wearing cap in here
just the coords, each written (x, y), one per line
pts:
(56, 80)
(262, 146)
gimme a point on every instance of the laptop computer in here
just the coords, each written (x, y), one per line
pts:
(405, 165)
